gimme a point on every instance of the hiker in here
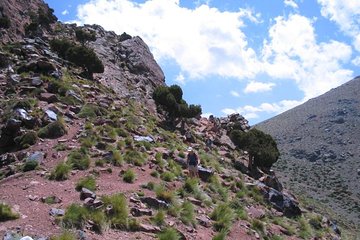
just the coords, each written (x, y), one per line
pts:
(192, 162)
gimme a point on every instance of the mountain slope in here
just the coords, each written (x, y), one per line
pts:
(319, 142)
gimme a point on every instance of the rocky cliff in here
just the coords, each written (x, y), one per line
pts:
(319, 142)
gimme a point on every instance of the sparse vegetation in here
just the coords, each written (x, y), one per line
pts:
(169, 234)
(66, 235)
(27, 139)
(61, 172)
(223, 216)
(53, 130)
(84, 36)
(75, 216)
(159, 218)
(79, 159)
(187, 214)
(6, 213)
(86, 182)
(118, 217)
(30, 165)
(129, 176)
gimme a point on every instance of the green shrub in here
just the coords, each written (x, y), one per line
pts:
(84, 36)
(80, 55)
(129, 176)
(221, 235)
(30, 165)
(98, 218)
(66, 235)
(6, 213)
(86, 182)
(86, 58)
(27, 139)
(191, 185)
(100, 162)
(164, 194)
(50, 200)
(187, 214)
(258, 225)
(216, 186)
(170, 100)
(167, 176)
(169, 234)
(159, 218)
(117, 159)
(155, 174)
(223, 216)
(91, 111)
(57, 86)
(75, 216)
(61, 172)
(79, 159)
(118, 217)
(134, 157)
(53, 130)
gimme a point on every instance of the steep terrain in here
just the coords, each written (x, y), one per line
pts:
(85, 155)
(319, 141)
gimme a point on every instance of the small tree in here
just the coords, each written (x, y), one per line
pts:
(44, 17)
(170, 100)
(262, 148)
(82, 56)
(85, 58)
(84, 36)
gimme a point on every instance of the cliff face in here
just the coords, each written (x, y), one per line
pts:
(319, 142)
(19, 14)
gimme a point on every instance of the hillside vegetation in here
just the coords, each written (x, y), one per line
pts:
(87, 153)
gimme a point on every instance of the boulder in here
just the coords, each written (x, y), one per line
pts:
(281, 202)
(36, 81)
(37, 157)
(154, 203)
(271, 181)
(56, 212)
(148, 228)
(86, 193)
(51, 115)
(48, 97)
(137, 212)
(205, 173)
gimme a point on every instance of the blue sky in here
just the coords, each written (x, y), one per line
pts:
(255, 57)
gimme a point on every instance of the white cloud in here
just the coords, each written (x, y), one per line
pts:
(291, 3)
(252, 112)
(65, 12)
(203, 41)
(356, 61)
(206, 115)
(256, 87)
(234, 94)
(346, 14)
(293, 53)
(180, 79)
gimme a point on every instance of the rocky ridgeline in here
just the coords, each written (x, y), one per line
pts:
(93, 157)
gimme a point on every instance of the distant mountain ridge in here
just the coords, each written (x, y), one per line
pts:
(320, 146)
